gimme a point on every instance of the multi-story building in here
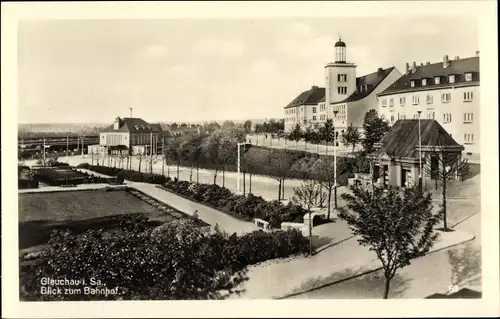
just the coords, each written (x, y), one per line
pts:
(350, 96)
(447, 91)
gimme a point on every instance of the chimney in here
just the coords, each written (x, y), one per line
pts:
(414, 67)
(477, 53)
(457, 57)
(407, 67)
(314, 87)
(422, 64)
(380, 71)
(445, 61)
(427, 63)
(116, 124)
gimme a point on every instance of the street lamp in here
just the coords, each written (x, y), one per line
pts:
(335, 160)
(82, 138)
(420, 152)
(239, 165)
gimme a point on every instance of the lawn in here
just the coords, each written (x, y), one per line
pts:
(78, 211)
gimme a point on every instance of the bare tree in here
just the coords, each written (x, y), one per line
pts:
(94, 156)
(351, 137)
(305, 195)
(324, 174)
(445, 166)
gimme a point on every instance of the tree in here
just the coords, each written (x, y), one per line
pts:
(211, 152)
(93, 156)
(445, 166)
(279, 163)
(327, 131)
(296, 134)
(397, 226)
(351, 137)
(374, 129)
(227, 153)
(140, 156)
(247, 126)
(173, 151)
(305, 195)
(324, 174)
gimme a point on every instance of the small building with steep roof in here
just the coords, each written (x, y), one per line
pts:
(397, 156)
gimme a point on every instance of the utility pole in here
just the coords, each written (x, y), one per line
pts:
(67, 148)
(420, 155)
(334, 161)
(44, 151)
(83, 144)
(151, 154)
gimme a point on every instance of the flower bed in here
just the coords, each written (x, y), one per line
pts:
(66, 176)
(130, 175)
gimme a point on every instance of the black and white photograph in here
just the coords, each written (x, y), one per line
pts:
(344, 158)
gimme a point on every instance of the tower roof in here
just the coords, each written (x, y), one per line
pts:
(340, 43)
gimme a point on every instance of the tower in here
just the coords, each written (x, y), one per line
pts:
(340, 77)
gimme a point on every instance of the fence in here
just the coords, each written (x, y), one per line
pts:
(268, 140)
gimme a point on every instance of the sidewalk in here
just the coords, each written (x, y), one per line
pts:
(340, 262)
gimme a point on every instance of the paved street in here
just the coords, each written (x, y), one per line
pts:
(425, 276)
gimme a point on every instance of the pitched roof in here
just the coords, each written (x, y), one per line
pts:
(372, 80)
(458, 67)
(309, 97)
(134, 125)
(402, 139)
(464, 293)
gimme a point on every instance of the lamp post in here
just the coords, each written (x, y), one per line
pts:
(334, 161)
(238, 166)
(420, 152)
(82, 138)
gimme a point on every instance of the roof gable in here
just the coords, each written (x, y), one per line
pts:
(309, 97)
(134, 125)
(402, 140)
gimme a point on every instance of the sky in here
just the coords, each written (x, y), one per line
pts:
(211, 69)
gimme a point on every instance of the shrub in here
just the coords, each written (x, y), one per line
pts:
(172, 261)
(83, 165)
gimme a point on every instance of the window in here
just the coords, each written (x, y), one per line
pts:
(342, 90)
(446, 97)
(468, 138)
(468, 117)
(412, 84)
(314, 109)
(430, 99)
(415, 100)
(468, 77)
(402, 101)
(392, 118)
(468, 96)
(437, 80)
(314, 117)
(384, 102)
(342, 77)
(424, 82)
(391, 102)
(431, 115)
(451, 78)
(447, 118)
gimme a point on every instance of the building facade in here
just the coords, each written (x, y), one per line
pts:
(133, 135)
(345, 98)
(447, 92)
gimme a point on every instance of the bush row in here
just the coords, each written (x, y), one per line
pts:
(243, 207)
